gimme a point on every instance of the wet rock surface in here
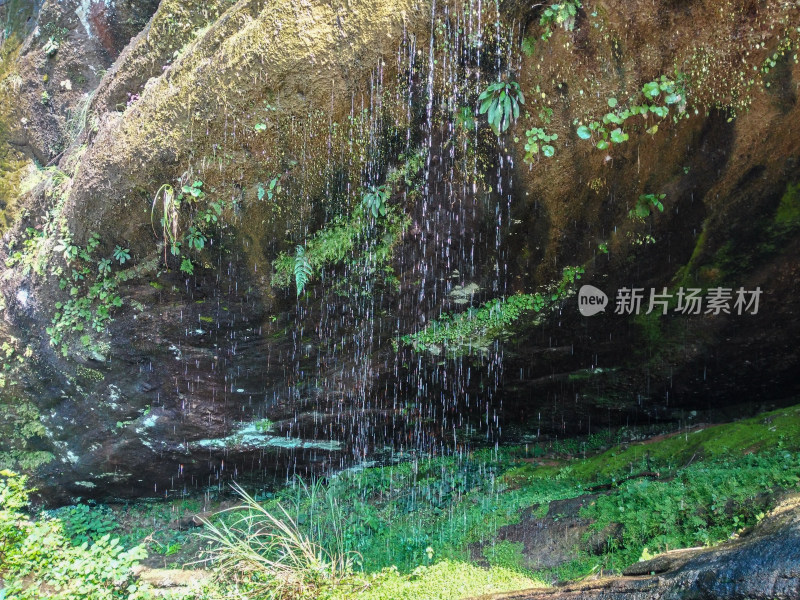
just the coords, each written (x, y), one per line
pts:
(209, 376)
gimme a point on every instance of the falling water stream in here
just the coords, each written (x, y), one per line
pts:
(322, 368)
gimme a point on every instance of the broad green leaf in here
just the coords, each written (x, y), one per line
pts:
(618, 136)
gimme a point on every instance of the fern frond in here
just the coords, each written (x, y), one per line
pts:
(303, 270)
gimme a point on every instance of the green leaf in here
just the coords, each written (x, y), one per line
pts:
(548, 151)
(661, 111)
(612, 102)
(528, 46)
(651, 90)
(618, 136)
(505, 119)
(584, 133)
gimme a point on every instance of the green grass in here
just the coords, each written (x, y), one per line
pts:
(429, 528)
(391, 516)
(444, 580)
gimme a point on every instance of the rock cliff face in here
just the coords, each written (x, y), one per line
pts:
(156, 339)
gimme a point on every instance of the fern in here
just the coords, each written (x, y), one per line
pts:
(302, 269)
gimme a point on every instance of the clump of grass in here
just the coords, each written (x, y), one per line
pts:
(267, 553)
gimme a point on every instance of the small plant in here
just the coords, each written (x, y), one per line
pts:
(211, 215)
(358, 238)
(39, 560)
(69, 250)
(104, 267)
(166, 200)
(464, 120)
(92, 294)
(192, 192)
(653, 103)
(302, 269)
(121, 255)
(269, 191)
(374, 201)
(500, 102)
(462, 333)
(539, 140)
(645, 204)
(50, 47)
(528, 46)
(195, 239)
(85, 524)
(187, 266)
(562, 14)
(264, 425)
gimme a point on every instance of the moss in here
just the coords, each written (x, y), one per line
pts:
(446, 580)
(779, 428)
(685, 275)
(788, 213)
(747, 248)
(650, 328)
(475, 329)
(14, 166)
(505, 554)
(89, 373)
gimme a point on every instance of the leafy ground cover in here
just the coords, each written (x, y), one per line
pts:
(425, 528)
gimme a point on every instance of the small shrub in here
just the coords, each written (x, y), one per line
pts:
(538, 140)
(374, 201)
(500, 102)
(657, 99)
(37, 560)
(562, 14)
(645, 204)
(83, 523)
